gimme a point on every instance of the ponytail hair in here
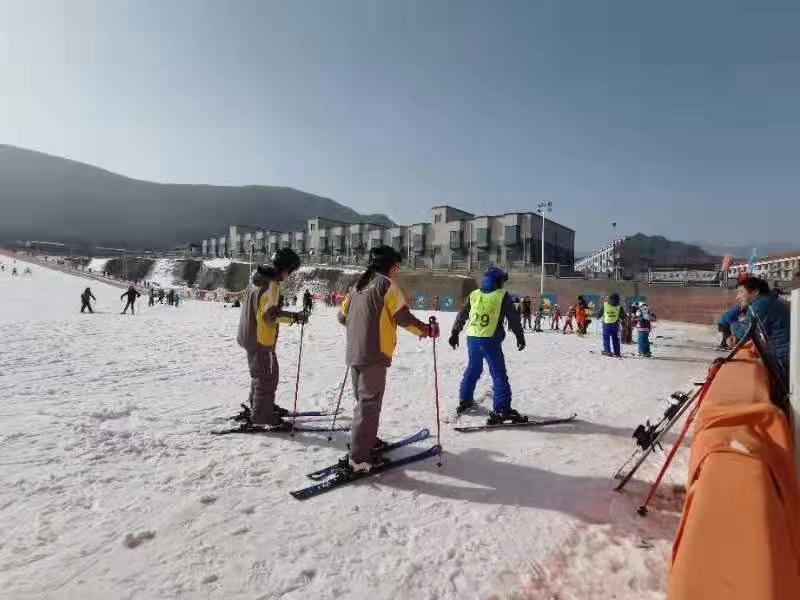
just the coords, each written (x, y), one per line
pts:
(365, 278)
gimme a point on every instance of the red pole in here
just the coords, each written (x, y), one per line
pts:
(642, 510)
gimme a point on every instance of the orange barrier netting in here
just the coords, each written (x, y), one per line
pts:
(739, 537)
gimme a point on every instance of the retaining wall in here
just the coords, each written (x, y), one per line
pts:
(702, 305)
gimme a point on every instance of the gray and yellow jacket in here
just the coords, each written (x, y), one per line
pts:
(261, 313)
(371, 317)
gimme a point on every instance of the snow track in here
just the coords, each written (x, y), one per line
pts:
(112, 487)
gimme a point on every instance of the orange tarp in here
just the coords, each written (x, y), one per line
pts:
(739, 537)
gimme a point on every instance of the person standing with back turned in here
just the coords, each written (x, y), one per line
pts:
(611, 313)
(258, 333)
(483, 313)
(371, 312)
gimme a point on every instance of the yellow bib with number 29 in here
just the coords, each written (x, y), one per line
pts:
(484, 312)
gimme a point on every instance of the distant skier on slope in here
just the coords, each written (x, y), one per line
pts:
(308, 302)
(258, 333)
(86, 296)
(151, 297)
(371, 311)
(483, 313)
(131, 295)
(161, 295)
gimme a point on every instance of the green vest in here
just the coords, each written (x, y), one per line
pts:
(484, 312)
(610, 313)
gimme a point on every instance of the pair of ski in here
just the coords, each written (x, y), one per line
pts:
(334, 476)
(248, 427)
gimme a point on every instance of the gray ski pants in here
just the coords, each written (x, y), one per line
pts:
(263, 364)
(369, 384)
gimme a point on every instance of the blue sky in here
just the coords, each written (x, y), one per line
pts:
(673, 118)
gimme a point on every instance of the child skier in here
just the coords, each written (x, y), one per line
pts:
(371, 312)
(580, 316)
(555, 319)
(526, 313)
(258, 334)
(151, 298)
(568, 320)
(484, 311)
(86, 296)
(611, 313)
(131, 295)
(537, 321)
(643, 329)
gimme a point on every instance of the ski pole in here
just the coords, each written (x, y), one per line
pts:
(297, 380)
(434, 333)
(338, 402)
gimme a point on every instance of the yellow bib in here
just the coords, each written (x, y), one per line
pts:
(484, 313)
(610, 314)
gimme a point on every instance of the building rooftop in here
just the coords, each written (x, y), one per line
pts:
(771, 257)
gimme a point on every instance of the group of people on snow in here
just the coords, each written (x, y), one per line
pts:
(130, 296)
(375, 306)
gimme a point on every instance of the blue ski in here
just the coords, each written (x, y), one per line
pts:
(417, 437)
(341, 477)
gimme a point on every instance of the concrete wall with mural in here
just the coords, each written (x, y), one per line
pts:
(702, 305)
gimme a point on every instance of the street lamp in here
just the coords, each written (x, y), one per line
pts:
(614, 249)
(252, 244)
(542, 208)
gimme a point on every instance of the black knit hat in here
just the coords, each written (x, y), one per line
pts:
(285, 259)
(383, 258)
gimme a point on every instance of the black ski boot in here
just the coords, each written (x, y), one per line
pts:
(245, 416)
(507, 416)
(465, 406)
(279, 411)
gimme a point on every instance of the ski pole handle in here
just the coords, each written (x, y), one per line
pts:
(433, 328)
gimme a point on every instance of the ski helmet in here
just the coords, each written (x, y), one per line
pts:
(383, 258)
(285, 259)
(497, 274)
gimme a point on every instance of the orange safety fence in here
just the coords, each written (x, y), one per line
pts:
(739, 536)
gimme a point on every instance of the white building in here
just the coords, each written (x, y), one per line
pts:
(781, 267)
(605, 260)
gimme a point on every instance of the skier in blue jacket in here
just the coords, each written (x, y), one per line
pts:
(483, 314)
(768, 312)
(726, 321)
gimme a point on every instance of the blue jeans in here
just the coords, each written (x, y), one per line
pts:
(480, 349)
(611, 337)
(643, 341)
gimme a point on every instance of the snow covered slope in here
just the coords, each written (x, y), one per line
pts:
(112, 487)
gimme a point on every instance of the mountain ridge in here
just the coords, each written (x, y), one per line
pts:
(43, 195)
